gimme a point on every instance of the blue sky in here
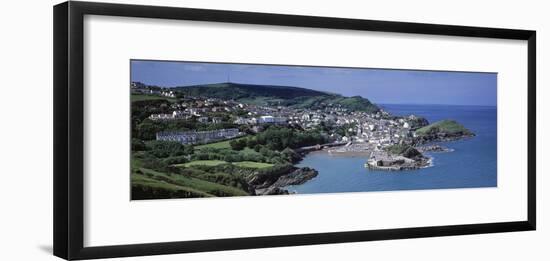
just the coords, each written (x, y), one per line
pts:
(378, 85)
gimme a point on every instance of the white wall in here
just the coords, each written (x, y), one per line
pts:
(26, 131)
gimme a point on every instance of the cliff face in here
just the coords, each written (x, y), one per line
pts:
(297, 177)
(273, 182)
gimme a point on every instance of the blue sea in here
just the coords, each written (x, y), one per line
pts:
(472, 164)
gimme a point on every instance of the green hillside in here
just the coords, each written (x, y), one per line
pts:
(148, 183)
(147, 97)
(444, 127)
(277, 95)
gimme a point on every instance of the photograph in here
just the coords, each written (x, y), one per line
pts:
(224, 129)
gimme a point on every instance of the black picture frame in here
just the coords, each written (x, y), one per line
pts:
(69, 129)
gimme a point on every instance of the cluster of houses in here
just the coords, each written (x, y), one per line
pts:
(266, 119)
(372, 128)
(377, 129)
(198, 137)
(187, 108)
(175, 115)
(384, 132)
(180, 115)
(140, 88)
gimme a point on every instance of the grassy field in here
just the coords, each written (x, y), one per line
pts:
(242, 164)
(202, 162)
(254, 165)
(179, 184)
(218, 145)
(144, 97)
(162, 189)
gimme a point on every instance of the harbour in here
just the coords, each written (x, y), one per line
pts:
(467, 163)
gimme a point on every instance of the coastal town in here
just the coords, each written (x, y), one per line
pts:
(261, 137)
(353, 131)
(379, 129)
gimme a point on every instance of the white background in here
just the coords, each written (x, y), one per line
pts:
(110, 219)
(26, 131)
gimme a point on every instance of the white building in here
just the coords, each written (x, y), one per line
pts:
(271, 119)
(170, 94)
(197, 137)
(240, 120)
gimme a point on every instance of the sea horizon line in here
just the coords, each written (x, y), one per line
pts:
(434, 104)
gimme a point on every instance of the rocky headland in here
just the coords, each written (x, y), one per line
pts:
(397, 157)
(407, 157)
(445, 130)
(432, 148)
(273, 183)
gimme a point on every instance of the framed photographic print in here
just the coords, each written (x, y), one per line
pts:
(216, 130)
